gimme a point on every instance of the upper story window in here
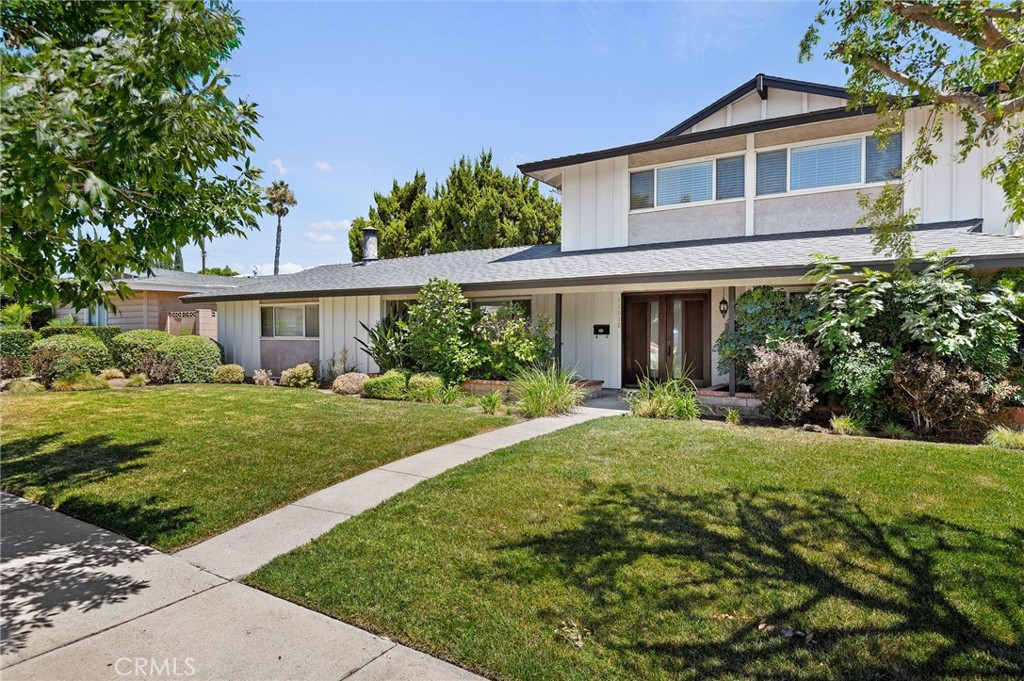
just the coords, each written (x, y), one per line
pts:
(687, 183)
(290, 321)
(832, 164)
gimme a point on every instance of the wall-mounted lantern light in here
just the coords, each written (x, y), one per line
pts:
(723, 307)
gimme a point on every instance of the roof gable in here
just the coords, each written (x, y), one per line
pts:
(754, 91)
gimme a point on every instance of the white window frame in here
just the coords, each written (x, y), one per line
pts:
(303, 337)
(690, 161)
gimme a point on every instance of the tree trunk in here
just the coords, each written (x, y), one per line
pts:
(277, 251)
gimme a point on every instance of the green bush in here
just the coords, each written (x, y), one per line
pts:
(492, 402)
(859, 379)
(675, 398)
(15, 351)
(1009, 438)
(299, 376)
(136, 381)
(106, 334)
(23, 386)
(128, 348)
(546, 392)
(763, 314)
(439, 332)
(229, 373)
(386, 343)
(425, 388)
(196, 358)
(507, 342)
(781, 376)
(389, 386)
(62, 356)
(896, 431)
(80, 382)
(847, 424)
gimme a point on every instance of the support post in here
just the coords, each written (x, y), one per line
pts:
(732, 329)
(558, 330)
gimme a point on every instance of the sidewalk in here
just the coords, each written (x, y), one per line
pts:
(83, 603)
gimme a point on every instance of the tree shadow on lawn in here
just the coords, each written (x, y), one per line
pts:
(728, 584)
(54, 565)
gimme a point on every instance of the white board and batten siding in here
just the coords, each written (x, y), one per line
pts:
(594, 357)
(595, 204)
(340, 327)
(238, 328)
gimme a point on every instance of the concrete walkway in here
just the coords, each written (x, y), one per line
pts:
(83, 603)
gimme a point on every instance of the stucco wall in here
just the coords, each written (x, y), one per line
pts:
(687, 223)
(808, 212)
(280, 354)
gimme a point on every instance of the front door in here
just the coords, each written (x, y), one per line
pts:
(666, 335)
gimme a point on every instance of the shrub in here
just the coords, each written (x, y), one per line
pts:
(425, 388)
(159, 370)
(136, 381)
(439, 332)
(299, 376)
(330, 369)
(386, 343)
(262, 377)
(229, 373)
(1001, 436)
(80, 382)
(762, 313)
(675, 398)
(546, 392)
(733, 416)
(128, 348)
(15, 351)
(845, 424)
(16, 316)
(63, 356)
(23, 386)
(196, 358)
(946, 398)
(66, 320)
(780, 376)
(859, 379)
(508, 343)
(389, 386)
(492, 402)
(896, 431)
(349, 384)
(106, 334)
(108, 374)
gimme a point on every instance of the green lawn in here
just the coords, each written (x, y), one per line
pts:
(692, 551)
(172, 465)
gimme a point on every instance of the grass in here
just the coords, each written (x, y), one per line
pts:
(172, 465)
(631, 548)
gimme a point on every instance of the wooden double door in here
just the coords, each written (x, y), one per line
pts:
(666, 335)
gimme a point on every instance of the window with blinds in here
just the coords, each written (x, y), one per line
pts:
(641, 190)
(771, 172)
(684, 184)
(729, 178)
(882, 164)
(290, 321)
(825, 165)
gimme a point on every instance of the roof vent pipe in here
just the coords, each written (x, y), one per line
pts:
(369, 244)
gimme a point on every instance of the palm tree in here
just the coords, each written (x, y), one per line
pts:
(279, 199)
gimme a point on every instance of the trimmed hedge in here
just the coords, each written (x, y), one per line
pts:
(229, 373)
(299, 376)
(129, 348)
(425, 388)
(63, 356)
(106, 334)
(390, 386)
(15, 351)
(197, 358)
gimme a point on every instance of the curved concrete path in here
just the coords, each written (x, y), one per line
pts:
(83, 603)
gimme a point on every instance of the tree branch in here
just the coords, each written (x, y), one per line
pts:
(969, 99)
(992, 38)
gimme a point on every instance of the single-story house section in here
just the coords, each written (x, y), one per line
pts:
(155, 303)
(658, 238)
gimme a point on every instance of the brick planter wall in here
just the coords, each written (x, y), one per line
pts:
(480, 387)
(719, 401)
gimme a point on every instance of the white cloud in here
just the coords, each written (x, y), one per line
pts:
(285, 268)
(320, 238)
(331, 225)
(324, 166)
(280, 166)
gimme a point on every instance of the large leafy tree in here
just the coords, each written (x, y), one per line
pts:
(963, 59)
(280, 200)
(478, 206)
(119, 143)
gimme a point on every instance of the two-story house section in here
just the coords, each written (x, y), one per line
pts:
(658, 238)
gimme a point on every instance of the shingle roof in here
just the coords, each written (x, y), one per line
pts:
(548, 267)
(190, 279)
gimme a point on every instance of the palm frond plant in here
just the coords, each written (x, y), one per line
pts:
(386, 343)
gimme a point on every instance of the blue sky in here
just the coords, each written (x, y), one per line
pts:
(354, 95)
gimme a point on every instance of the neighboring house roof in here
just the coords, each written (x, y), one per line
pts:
(760, 83)
(547, 266)
(173, 280)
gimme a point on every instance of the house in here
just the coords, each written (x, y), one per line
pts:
(658, 238)
(155, 303)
